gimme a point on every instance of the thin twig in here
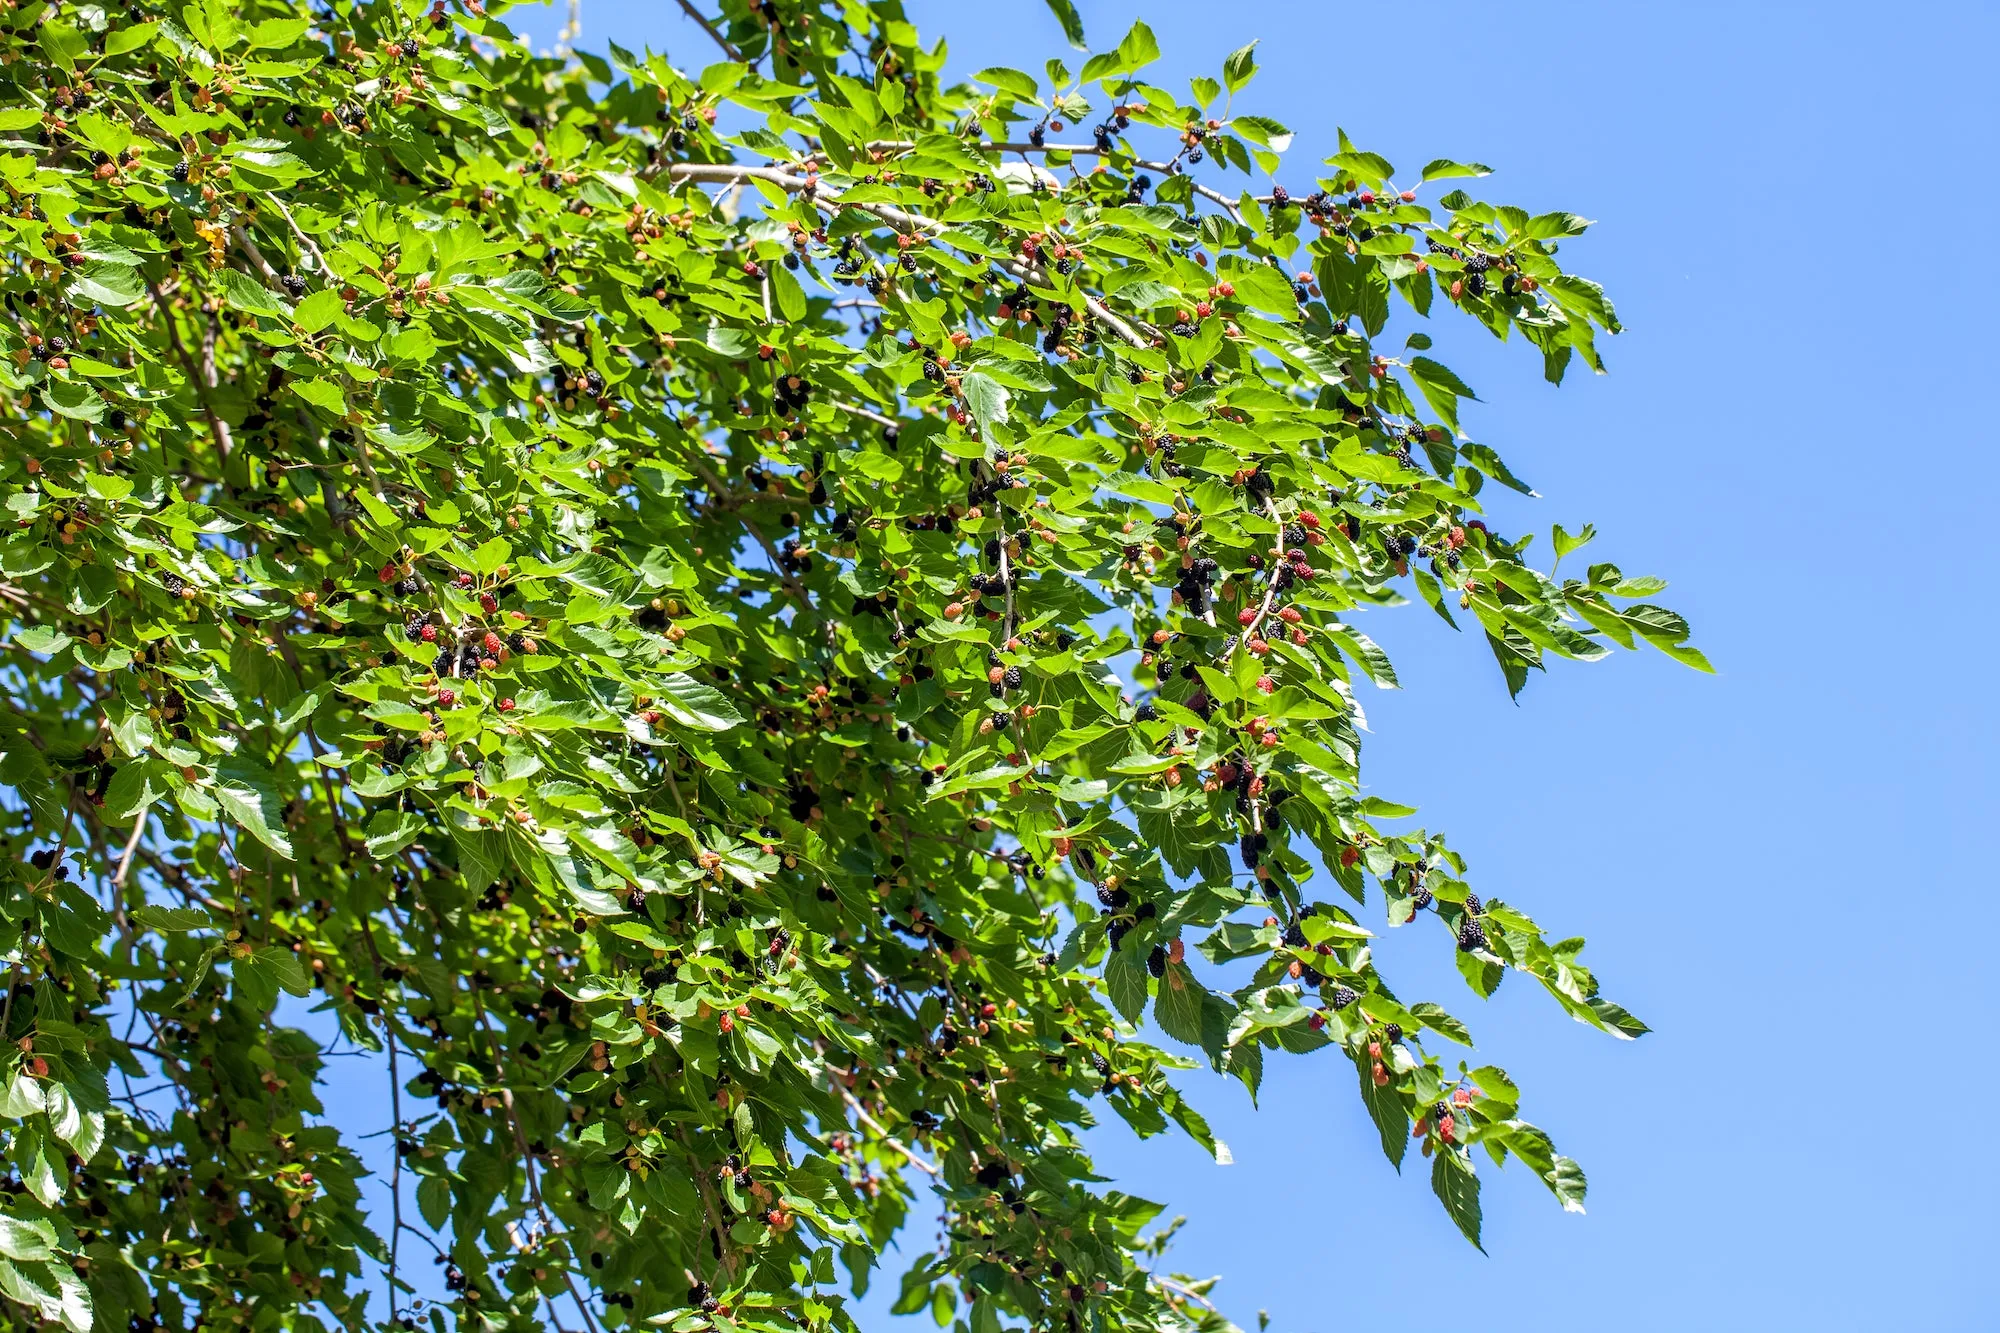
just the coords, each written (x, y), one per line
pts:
(867, 413)
(1181, 1289)
(1278, 563)
(708, 25)
(861, 1114)
(250, 250)
(792, 585)
(306, 242)
(528, 1157)
(195, 382)
(131, 846)
(396, 1170)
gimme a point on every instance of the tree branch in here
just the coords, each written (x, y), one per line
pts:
(708, 26)
(861, 1114)
(195, 381)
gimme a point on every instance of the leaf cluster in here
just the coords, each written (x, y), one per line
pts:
(753, 633)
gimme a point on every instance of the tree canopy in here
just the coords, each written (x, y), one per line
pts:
(772, 634)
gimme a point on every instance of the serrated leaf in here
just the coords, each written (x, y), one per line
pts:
(1125, 982)
(106, 284)
(245, 293)
(1445, 169)
(1240, 67)
(1010, 80)
(171, 919)
(248, 794)
(694, 704)
(985, 399)
(1453, 1181)
(1263, 130)
(1177, 1008)
(1072, 23)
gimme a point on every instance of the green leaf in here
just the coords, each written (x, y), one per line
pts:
(1263, 130)
(1138, 49)
(1442, 1023)
(106, 284)
(67, 398)
(1125, 982)
(434, 1201)
(985, 399)
(1072, 23)
(173, 920)
(127, 38)
(283, 968)
(787, 294)
(24, 1238)
(488, 556)
(245, 293)
(1010, 80)
(1240, 67)
(1178, 1006)
(276, 32)
(695, 704)
(1487, 461)
(1453, 1181)
(1445, 169)
(248, 793)
(318, 310)
(1371, 169)
(1564, 543)
(390, 832)
(1441, 387)
(46, 639)
(1385, 1108)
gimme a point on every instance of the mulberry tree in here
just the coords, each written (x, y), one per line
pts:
(773, 635)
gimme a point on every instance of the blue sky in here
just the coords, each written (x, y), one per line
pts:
(1776, 866)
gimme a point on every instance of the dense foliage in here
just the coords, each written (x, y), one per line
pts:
(743, 629)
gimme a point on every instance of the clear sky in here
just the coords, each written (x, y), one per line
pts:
(1778, 866)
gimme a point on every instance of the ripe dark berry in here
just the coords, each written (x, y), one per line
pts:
(1394, 1033)
(180, 172)
(1146, 712)
(1471, 936)
(1013, 678)
(1341, 997)
(1156, 960)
